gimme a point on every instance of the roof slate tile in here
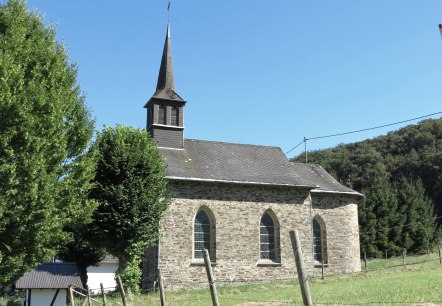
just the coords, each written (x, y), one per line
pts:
(51, 275)
(230, 162)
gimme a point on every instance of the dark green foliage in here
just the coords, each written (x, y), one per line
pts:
(401, 177)
(44, 130)
(130, 187)
(421, 229)
(82, 250)
(379, 216)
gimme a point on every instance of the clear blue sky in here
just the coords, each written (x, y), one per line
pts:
(255, 71)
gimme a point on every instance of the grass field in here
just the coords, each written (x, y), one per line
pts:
(386, 283)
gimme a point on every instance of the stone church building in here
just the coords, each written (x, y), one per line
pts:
(239, 201)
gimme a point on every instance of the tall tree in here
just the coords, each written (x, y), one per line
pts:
(418, 211)
(413, 152)
(82, 250)
(44, 130)
(380, 219)
(130, 186)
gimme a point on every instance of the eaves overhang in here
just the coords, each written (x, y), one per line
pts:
(163, 99)
(357, 194)
(193, 179)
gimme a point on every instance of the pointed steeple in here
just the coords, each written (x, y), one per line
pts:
(165, 77)
(165, 109)
(166, 84)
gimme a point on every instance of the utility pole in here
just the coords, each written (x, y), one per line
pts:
(305, 148)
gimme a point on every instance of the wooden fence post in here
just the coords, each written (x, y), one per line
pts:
(121, 288)
(212, 286)
(404, 255)
(160, 284)
(386, 254)
(104, 295)
(365, 262)
(303, 281)
(88, 296)
(322, 269)
(84, 301)
(71, 295)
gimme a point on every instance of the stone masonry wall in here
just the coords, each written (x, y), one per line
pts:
(237, 210)
(340, 216)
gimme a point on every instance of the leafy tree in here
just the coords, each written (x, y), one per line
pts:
(130, 186)
(44, 131)
(82, 250)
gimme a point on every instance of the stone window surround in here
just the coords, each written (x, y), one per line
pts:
(324, 252)
(260, 263)
(268, 262)
(212, 251)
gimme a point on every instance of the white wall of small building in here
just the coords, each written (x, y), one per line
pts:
(103, 273)
(43, 297)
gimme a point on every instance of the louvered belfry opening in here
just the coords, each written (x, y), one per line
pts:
(165, 121)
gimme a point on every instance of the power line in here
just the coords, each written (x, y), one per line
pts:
(362, 130)
(295, 147)
(373, 128)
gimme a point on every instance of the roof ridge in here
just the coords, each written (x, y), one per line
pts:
(232, 143)
(307, 164)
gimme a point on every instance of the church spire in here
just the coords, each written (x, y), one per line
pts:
(165, 76)
(166, 83)
(165, 110)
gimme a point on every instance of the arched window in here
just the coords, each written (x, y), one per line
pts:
(319, 241)
(162, 115)
(175, 119)
(202, 235)
(268, 238)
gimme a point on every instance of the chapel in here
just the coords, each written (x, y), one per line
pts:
(239, 201)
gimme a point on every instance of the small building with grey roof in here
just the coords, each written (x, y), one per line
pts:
(239, 202)
(48, 283)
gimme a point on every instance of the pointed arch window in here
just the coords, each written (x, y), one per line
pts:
(204, 235)
(174, 114)
(268, 238)
(162, 115)
(319, 241)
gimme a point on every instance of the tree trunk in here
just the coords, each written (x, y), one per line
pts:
(83, 275)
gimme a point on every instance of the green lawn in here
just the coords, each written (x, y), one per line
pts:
(384, 284)
(420, 283)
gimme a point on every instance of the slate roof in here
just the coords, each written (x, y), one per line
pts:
(315, 174)
(233, 163)
(50, 275)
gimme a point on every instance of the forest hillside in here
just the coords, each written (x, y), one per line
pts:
(400, 175)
